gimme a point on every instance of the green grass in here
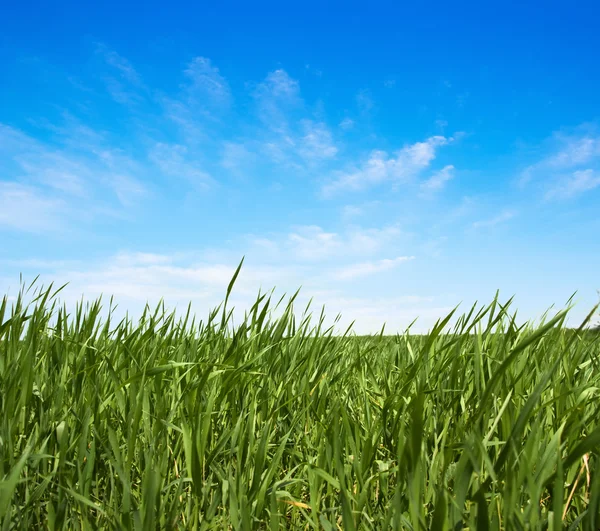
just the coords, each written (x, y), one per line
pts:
(167, 423)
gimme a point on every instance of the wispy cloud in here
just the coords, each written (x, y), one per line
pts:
(369, 314)
(579, 151)
(575, 184)
(317, 142)
(44, 175)
(276, 96)
(289, 136)
(27, 208)
(438, 180)
(507, 215)
(238, 158)
(311, 243)
(138, 278)
(122, 81)
(370, 268)
(56, 171)
(39, 265)
(199, 107)
(140, 258)
(316, 71)
(205, 79)
(128, 190)
(281, 86)
(205, 82)
(173, 161)
(351, 211)
(119, 63)
(364, 101)
(372, 240)
(346, 124)
(576, 151)
(405, 164)
(570, 169)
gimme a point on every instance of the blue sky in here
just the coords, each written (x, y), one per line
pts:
(392, 160)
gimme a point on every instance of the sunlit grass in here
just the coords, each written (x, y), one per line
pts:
(173, 423)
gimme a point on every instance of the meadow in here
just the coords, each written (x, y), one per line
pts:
(173, 423)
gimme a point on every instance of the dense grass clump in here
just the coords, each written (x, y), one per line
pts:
(278, 424)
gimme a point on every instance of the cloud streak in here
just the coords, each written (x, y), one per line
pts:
(311, 243)
(138, 278)
(438, 180)
(380, 167)
(45, 184)
(364, 269)
(575, 184)
(503, 217)
(27, 208)
(569, 169)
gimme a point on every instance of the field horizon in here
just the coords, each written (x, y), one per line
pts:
(278, 423)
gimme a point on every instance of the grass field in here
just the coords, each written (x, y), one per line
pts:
(167, 423)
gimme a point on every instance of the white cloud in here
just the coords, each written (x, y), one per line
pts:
(368, 241)
(128, 190)
(577, 183)
(276, 96)
(191, 124)
(27, 208)
(370, 268)
(172, 160)
(14, 142)
(351, 211)
(119, 172)
(121, 64)
(139, 258)
(85, 180)
(123, 83)
(56, 171)
(202, 103)
(370, 313)
(38, 264)
(136, 279)
(365, 101)
(205, 83)
(346, 124)
(317, 142)
(438, 180)
(577, 152)
(316, 71)
(287, 136)
(500, 218)
(278, 84)
(281, 150)
(311, 243)
(380, 167)
(237, 158)
(441, 124)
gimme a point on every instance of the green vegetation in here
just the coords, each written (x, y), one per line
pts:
(278, 424)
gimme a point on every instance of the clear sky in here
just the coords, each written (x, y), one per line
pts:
(393, 160)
